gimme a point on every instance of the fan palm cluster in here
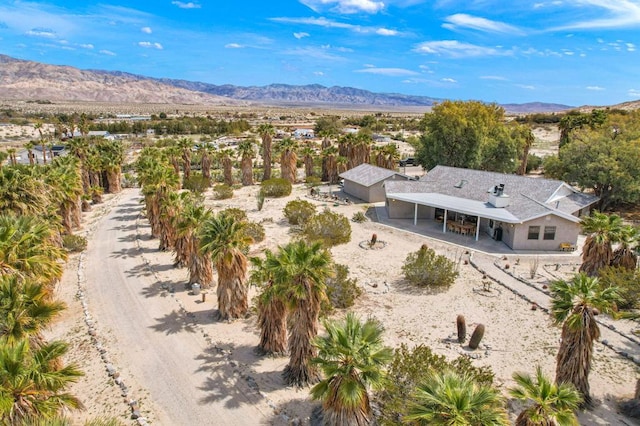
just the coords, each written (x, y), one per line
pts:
(38, 205)
(603, 232)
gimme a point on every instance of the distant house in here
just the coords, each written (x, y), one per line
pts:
(38, 158)
(366, 182)
(100, 134)
(525, 213)
(303, 134)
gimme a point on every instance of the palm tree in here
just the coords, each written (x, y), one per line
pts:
(38, 127)
(27, 249)
(553, 405)
(112, 155)
(288, 159)
(158, 179)
(266, 132)
(602, 230)
(24, 192)
(245, 149)
(65, 181)
(452, 399)
(3, 156)
(223, 238)
(331, 163)
(205, 162)
(272, 309)
(188, 224)
(575, 304)
(33, 383)
(307, 154)
(625, 255)
(299, 273)
(227, 171)
(26, 309)
(29, 147)
(185, 145)
(352, 357)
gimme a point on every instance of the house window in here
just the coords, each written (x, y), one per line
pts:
(549, 233)
(534, 233)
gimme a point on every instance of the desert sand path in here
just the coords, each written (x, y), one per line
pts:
(168, 366)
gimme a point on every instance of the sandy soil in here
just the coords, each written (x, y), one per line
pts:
(517, 337)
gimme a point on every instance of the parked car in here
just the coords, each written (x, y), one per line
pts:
(408, 162)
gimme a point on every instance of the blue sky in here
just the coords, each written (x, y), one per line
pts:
(573, 52)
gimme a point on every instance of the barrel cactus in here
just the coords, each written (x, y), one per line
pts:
(476, 337)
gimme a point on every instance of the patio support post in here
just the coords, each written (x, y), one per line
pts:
(444, 222)
(415, 214)
(477, 228)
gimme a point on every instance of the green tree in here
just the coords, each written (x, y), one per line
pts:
(223, 238)
(575, 304)
(272, 308)
(453, 399)
(352, 357)
(245, 150)
(549, 404)
(192, 215)
(299, 271)
(470, 135)
(288, 159)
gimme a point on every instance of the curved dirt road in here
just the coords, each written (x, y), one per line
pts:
(168, 367)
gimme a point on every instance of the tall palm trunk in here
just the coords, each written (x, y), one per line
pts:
(206, 166)
(114, 180)
(227, 171)
(186, 161)
(272, 321)
(573, 362)
(266, 156)
(201, 270)
(288, 161)
(246, 165)
(624, 257)
(232, 290)
(326, 143)
(341, 414)
(303, 328)
(595, 256)
(308, 166)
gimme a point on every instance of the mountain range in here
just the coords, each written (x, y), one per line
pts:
(29, 80)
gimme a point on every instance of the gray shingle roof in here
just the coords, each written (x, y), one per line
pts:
(367, 175)
(528, 197)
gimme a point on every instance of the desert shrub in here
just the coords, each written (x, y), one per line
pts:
(627, 281)
(312, 181)
(409, 368)
(276, 188)
(222, 192)
(534, 162)
(329, 228)
(298, 212)
(342, 291)
(255, 231)
(238, 214)
(358, 217)
(426, 268)
(196, 183)
(74, 243)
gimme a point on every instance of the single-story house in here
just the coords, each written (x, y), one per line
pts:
(525, 213)
(303, 133)
(366, 182)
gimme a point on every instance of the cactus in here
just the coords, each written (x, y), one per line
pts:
(374, 238)
(462, 328)
(476, 337)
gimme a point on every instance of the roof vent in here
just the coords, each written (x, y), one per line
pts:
(497, 197)
(460, 184)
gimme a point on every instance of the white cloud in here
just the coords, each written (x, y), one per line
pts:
(630, 47)
(526, 86)
(595, 88)
(318, 73)
(146, 30)
(300, 35)
(150, 45)
(456, 49)
(634, 93)
(390, 72)
(386, 32)
(42, 32)
(189, 5)
(448, 80)
(107, 52)
(328, 23)
(345, 6)
(618, 14)
(87, 46)
(462, 20)
(493, 77)
(233, 46)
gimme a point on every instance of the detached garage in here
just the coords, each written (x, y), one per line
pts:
(366, 182)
